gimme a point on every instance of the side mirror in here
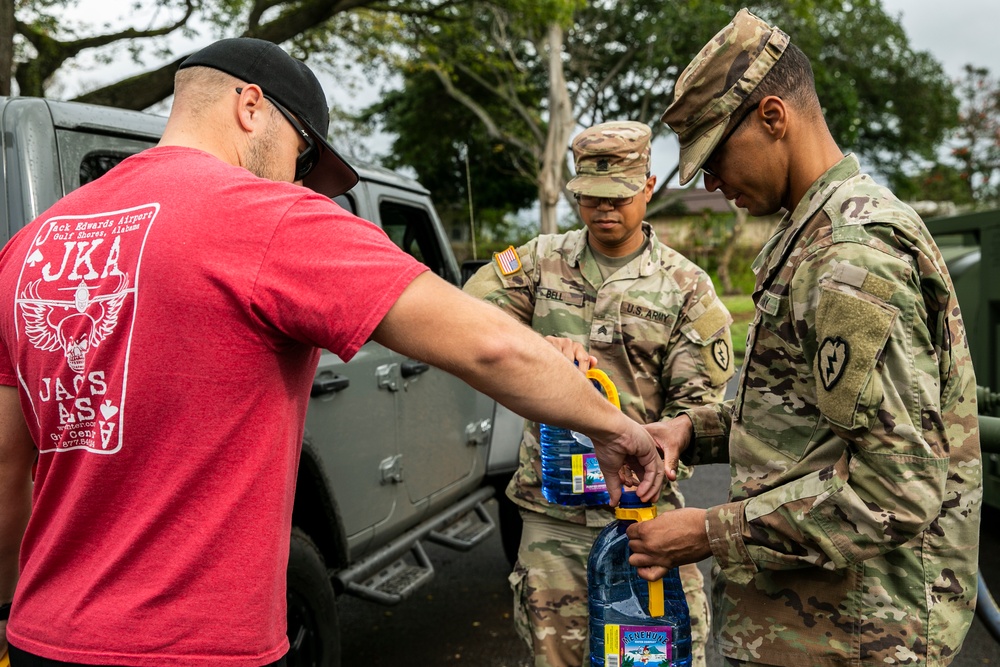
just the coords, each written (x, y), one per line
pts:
(470, 266)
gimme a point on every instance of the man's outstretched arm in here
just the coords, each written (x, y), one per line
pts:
(437, 323)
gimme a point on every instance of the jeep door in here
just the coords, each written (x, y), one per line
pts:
(442, 423)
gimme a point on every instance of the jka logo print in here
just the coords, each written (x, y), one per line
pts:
(75, 307)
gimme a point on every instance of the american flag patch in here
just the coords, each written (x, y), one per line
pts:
(508, 261)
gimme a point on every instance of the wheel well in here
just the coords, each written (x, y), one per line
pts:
(315, 510)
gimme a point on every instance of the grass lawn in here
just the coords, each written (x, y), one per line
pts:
(741, 308)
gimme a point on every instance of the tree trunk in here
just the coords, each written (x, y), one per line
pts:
(553, 169)
(728, 250)
(6, 45)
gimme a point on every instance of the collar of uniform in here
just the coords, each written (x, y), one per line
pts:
(812, 201)
(578, 248)
(823, 188)
(650, 258)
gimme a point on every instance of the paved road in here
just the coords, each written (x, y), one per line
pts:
(463, 616)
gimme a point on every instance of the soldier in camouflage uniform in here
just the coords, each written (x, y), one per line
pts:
(610, 294)
(851, 535)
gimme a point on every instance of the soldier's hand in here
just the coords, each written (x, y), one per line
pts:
(574, 352)
(672, 539)
(672, 437)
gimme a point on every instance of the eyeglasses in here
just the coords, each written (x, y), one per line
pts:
(586, 201)
(718, 146)
(309, 157)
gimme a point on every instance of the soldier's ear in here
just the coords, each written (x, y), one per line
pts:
(774, 112)
(650, 187)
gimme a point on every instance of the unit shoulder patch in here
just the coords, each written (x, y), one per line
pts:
(721, 354)
(833, 356)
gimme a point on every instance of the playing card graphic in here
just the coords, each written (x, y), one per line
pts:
(75, 307)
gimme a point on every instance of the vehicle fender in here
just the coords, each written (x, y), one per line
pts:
(315, 511)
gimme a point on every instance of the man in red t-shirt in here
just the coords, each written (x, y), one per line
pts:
(162, 332)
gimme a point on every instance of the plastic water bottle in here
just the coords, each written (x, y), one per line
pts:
(634, 621)
(570, 473)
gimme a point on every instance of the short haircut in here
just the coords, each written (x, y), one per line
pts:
(791, 79)
(198, 88)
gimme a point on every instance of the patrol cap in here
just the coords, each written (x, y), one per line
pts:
(290, 83)
(726, 71)
(612, 159)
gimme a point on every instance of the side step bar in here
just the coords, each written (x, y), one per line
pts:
(391, 574)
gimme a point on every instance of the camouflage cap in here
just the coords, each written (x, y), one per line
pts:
(612, 159)
(716, 82)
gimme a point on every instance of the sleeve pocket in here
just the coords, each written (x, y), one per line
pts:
(851, 331)
(710, 332)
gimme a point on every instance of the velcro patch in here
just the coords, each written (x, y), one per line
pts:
(712, 320)
(851, 332)
(508, 261)
(769, 303)
(864, 280)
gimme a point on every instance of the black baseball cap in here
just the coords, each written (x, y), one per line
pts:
(290, 83)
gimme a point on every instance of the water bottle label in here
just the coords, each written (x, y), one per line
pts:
(576, 461)
(637, 645)
(587, 475)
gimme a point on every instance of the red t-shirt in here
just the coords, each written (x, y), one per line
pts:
(163, 325)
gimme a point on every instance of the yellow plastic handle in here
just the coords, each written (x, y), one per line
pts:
(656, 598)
(4, 660)
(604, 383)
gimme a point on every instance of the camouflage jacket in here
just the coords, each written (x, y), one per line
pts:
(851, 535)
(656, 327)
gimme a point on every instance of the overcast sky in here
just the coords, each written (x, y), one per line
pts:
(956, 32)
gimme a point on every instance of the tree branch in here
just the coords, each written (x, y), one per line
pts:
(52, 53)
(492, 128)
(508, 95)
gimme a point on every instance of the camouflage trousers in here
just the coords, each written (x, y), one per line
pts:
(550, 593)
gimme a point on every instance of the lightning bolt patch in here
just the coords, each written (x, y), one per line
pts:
(833, 356)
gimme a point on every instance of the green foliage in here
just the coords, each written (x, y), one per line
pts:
(621, 59)
(868, 77)
(976, 142)
(440, 139)
(940, 182)
(969, 175)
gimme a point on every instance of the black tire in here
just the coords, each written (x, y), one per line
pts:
(510, 526)
(313, 627)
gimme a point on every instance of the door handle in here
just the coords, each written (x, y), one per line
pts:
(329, 385)
(411, 368)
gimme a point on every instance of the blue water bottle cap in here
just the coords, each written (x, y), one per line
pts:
(631, 499)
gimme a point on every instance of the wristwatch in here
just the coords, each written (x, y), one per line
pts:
(4, 611)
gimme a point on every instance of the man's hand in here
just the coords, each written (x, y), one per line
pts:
(574, 352)
(635, 448)
(671, 539)
(673, 437)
